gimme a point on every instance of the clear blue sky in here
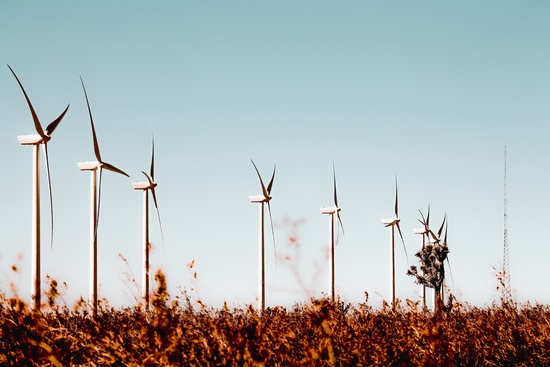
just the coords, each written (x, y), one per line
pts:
(428, 90)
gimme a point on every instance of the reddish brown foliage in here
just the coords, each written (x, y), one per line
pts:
(316, 334)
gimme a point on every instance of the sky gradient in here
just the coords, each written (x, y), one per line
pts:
(428, 91)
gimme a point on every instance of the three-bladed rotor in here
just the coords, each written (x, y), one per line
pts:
(100, 163)
(153, 184)
(390, 222)
(335, 209)
(43, 137)
(426, 223)
(336, 200)
(266, 198)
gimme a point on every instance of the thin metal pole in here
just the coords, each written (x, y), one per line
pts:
(93, 242)
(146, 248)
(423, 286)
(332, 296)
(35, 286)
(393, 267)
(262, 260)
(507, 289)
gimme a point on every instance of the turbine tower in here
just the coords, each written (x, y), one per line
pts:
(394, 222)
(333, 239)
(507, 290)
(425, 232)
(265, 198)
(95, 196)
(446, 223)
(145, 187)
(437, 242)
(422, 232)
(42, 137)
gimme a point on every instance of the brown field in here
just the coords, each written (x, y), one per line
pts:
(319, 333)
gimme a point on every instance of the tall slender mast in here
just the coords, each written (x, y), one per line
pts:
(261, 297)
(393, 267)
(35, 286)
(423, 286)
(146, 250)
(506, 291)
(93, 241)
(332, 292)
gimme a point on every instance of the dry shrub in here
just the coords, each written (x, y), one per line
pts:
(317, 333)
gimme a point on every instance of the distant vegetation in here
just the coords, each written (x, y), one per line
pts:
(177, 331)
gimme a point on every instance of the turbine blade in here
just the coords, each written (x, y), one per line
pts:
(445, 239)
(50, 189)
(423, 221)
(53, 125)
(451, 271)
(271, 181)
(156, 204)
(98, 203)
(403, 241)
(272, 231)
(37, 125)
(428, 217)
(396, 201)
(448, 261)
(112, 168)
(152, 171)
(266, 195)
(442, 225)
(94, 137)
(158, 214)
(341, 225)
(335, 194)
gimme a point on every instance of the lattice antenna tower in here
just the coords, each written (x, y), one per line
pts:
(507, 290)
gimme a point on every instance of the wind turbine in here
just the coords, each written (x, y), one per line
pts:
(425, 232)
(394, 222)
(150, 184)
(265, 198)
(444, 243)
(43, 137)
(331, 211)
(95, 196)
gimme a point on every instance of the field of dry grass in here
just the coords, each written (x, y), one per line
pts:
(320, 333)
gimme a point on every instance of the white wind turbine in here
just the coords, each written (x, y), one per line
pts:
(265, 198)
(43, 137)
(150, 184)
(448, 261)
(95, 203)
(438, 240)
(333, 240)
(426, 232)
(394, 222)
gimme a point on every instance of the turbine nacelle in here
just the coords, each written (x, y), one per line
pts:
(33, 139)
(143, 185)
(390, 221)
(259, 199)
(332, 210)
(89, 166)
